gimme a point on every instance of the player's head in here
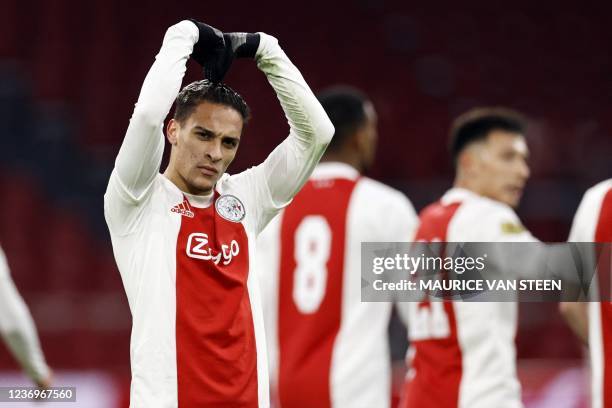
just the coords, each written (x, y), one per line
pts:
(489, 151)
(204, 134)
(355, 121)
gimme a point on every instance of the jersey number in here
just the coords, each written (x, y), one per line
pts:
(312, 251)
(426, 322)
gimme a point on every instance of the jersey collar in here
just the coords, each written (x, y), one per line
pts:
(457, 194)
(330, 169)
(198, 201)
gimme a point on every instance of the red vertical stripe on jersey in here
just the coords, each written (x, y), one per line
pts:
(215, 338)
(306, 341)
(437, 362)
(603, 233)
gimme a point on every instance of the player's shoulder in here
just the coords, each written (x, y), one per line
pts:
(116, 190)
(228, 181)
(473, 205)
(240, 185)
(380, 198)
(483, 207)
(596, 193)
(163, 187)
(4, 269)
(483, 218)
(383, 212)
(588, 212)
(236, 184)
(383, 193)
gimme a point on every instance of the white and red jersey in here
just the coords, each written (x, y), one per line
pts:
(17, 327)
(197, 332)
(462, 354)
(593, 223)
(326, 347)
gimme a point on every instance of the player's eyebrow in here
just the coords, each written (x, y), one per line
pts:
(199, 128)
(209, 132)
(231, 138)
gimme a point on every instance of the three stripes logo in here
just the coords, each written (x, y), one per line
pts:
(184, 209)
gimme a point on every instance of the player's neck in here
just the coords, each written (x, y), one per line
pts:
(466, 184)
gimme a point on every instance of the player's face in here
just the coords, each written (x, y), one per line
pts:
(204, 146)
(501, 167)
(368, 136)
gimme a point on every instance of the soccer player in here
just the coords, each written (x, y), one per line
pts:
(463, 354)
(18, 330)
(183, 240)
(592, 322)
(327, 348)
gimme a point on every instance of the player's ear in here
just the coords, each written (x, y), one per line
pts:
(172, 131)
(467, 161)
(360, 141)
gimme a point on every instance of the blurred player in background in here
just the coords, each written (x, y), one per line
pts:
(462, 354)
(592, 322)
(327, 349)
(183, 239)
(18, 330)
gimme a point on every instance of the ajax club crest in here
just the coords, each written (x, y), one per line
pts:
(230, 208)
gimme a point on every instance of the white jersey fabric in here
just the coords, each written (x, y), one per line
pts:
(17, 327)
(197, 331)
(326, 347)
(593, 223)
(463, 354)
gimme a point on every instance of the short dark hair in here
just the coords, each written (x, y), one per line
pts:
(199, 91)
(476, 124)
(345, 107)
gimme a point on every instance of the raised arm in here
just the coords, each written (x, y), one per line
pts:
(288, 167)
(140, 155)
(18, 330)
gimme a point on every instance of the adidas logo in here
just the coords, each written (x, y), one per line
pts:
(184, 209)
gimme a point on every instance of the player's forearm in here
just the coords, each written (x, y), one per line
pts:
(19, 333)
(291, 163)
(305, 115)
(27, 351)
(576, 316)
(142, 149)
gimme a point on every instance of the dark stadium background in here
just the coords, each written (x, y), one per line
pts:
(70, 72)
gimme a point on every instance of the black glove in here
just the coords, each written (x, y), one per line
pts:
(211, 52)
(243, 45)
(215, 51)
